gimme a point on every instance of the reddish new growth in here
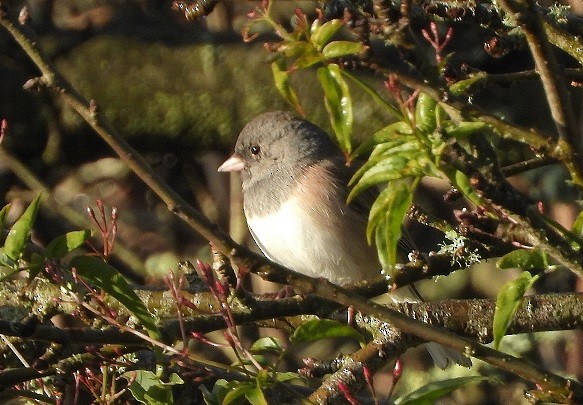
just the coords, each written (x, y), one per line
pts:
(434, 41)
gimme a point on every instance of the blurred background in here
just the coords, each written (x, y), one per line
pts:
(180, 91)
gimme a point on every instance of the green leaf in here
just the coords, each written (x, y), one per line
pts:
(255, 396)
(337, 49)
(316, 329)
(237, 393)
(387, 220)
(465, 129)
(283, 85)
(322, 34)
(20, 232)
(425, 113)
(220, 390)
(430, 393)
(524, 259)
(66, 243)
(463, 184)
(104, 276)
(507, 303)
(287, 376)
(267, 344)
(386, 170)
(461, 87)
(338, 104)
(386, 134)
(148, 388)
(578, 229)
(3, 215)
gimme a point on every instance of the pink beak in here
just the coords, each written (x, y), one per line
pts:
(232, 164)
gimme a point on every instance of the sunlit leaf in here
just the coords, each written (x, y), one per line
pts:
(322, 34)
(255, 396)
(316, 329)
(386, 134)
(465, 129)
(19, 234)
(3, 216)
(220, 390)
(308, 58)
(237, 393)
(507, 303)
(462, 86)
(66, 243)
(104, 276)
(148, 388)
(462, 183)
(524, 259)
(338, 104)
(385, 170)
(430, 393)
(578, 229)
(396, 202)
(267, 344)
(425, 113)
(287, 376)
(337, 49)
(282, 83)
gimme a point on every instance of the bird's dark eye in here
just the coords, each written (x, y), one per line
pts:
(255, 149)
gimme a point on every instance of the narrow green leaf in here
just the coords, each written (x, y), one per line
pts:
(308, 58)
(337, 49)
(399, 201)
(425, 113)
(463, 184)
(465, 129)
(267, 344)
(220, 390)
(322, 34)
(66, 243)
(3, 215)
(255, 396)
(507, 303)
(524, 259)
(283, 85)
(287, 376)
(386, 134)
(237, 393)
(461, 87)
(578, 229)
(106, 277)
(316, 329)
(148, 388)
(430, 393)
(338, 104)
(387, 169)
(20, 232)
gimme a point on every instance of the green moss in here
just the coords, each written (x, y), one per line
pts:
(198, 95)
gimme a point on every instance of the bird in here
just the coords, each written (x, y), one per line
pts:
(295, 188)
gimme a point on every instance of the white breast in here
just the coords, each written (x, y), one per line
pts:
(311, 242)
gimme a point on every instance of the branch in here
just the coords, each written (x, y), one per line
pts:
(552, 76)
(246, 259)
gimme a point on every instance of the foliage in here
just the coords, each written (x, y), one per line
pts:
(132, 347)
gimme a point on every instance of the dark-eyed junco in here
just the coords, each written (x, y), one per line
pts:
(295, 185)
(294, 196)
